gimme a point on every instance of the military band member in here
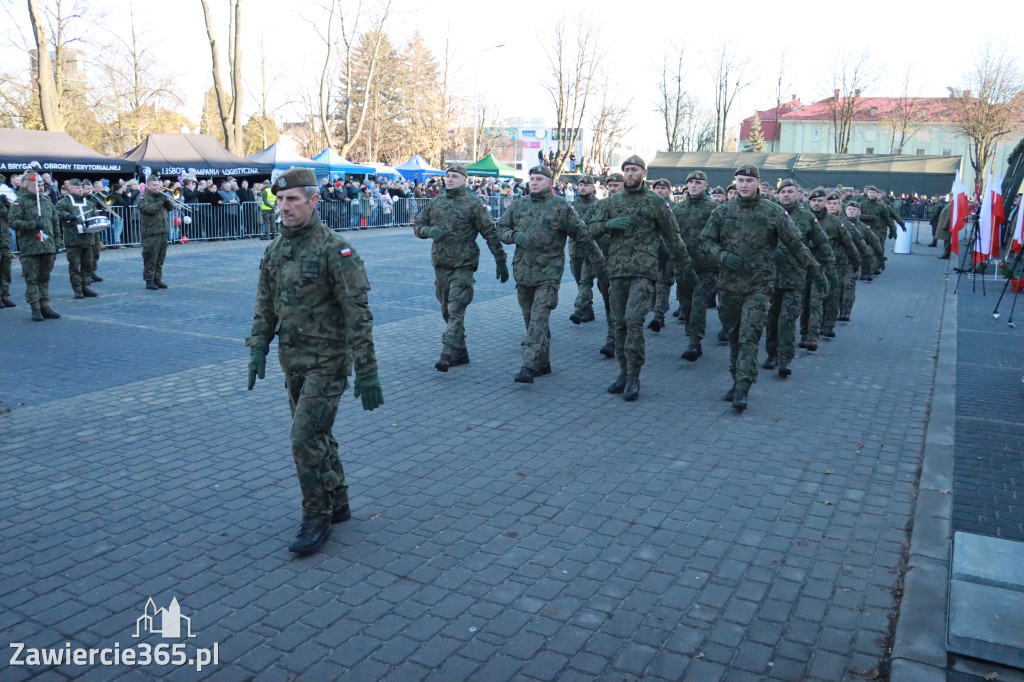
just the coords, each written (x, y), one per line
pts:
(34, 219)
(154, 208)
(74, 211)
(5, 253)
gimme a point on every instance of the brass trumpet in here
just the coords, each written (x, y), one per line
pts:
(175, 196)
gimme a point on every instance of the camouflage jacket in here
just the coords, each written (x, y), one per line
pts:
(5, 234)
(752, 229)
(894, 215)
(590, 211)
(312, 295)
(870, 239)
(462, 217)
(22, 217)
(154, 209)
(843, 248)
(546, 220)
(867, 255)
(634, 252)
(692, 215)
(789, 273)
(81, 211)
(874, 213)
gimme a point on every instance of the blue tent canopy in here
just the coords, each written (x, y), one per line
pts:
(339, 166)
(417, 169)
(282, 159)
(382, 171)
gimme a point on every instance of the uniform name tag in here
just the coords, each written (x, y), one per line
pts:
(309, 268)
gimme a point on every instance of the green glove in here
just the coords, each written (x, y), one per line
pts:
(368, 388)
(892, 233)
(619, 224)
(903, 227)
(257, 365)
(502, 271)
(520, 239)
(732, 261)
(435, 232)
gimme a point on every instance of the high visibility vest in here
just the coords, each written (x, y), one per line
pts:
(269, 199)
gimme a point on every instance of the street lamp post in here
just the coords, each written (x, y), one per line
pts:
(476, 101)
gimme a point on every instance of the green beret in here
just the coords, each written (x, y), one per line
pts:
(542, 170)
(634, 161)
(833, 196)
(732, 186)
(661, 182)
(818, 193)
(789, 182)
(586, 180)
(749, 170)
(697, 175)
(854, 204)
(718, 190)
(75, 182)
(615, 177)
(871, 188)
(294, 177)
(461, 170)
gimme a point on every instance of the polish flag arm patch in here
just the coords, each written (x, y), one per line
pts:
(345, 251)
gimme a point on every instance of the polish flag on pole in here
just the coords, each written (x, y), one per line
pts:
(1017, 237)
(990, 220)
(958, 216)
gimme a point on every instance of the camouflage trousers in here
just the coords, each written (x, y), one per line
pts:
(454, 290)
(810, 318)
(268, 223)
(830, 305)
(780, 332)
(585, 297)
(154, 250)
(36, 270)
(631, 299)
(666, 276)
(848, 293)
(867, 265)
(882, 234)
(537, 302)
(313, 399)
(96, 243)
(744, 316)
(80, 266)
(693, 304)
(5, 270)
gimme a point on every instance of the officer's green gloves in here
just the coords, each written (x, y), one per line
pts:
(619, 224)
(368, 388)
(732, 261)
(892, 233)
(257, 365)
(502, 271)
(435, 232)
(520, 239)
(903, 227)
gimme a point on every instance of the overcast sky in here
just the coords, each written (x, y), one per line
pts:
(921, 36)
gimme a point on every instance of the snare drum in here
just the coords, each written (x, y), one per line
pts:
(97, 223)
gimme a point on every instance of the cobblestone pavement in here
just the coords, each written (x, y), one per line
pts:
(499, 531)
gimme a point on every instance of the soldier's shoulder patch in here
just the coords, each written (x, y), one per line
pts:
(345, 251)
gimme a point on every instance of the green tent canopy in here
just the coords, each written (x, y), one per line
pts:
(491, 167)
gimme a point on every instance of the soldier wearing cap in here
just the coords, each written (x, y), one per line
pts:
(666, 268)
(154, 210)
(586, 202)
(312, 295)
(33, 217)
(538, 225)
(613, 183)
(743, 235)
(878, 216)
(790, 279)
(74, 210)
(692, 215)
(814, 294)
(718, 195)
(638, 222)
(452, 221)
(856, 230)
(847, 259)
(5, 250)
(730, 192)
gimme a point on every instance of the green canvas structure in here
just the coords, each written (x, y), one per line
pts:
(492, 168)
(895, 173)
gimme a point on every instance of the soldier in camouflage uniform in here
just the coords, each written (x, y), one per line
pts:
(877, 215)
(859, 232)
(718, 195)
(790, 278)
(583, 310)
(847, 258)
(312, 295)
(666, 267)
(154, 210)
(692, 216)
(613, 184)
(5, 255)
(538, 225)
(639, 223)
(814, 295)
(75, 210)
(453, 220)
(34, 219)
(743, 235)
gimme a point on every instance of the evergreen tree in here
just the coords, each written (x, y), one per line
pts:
(755, 140)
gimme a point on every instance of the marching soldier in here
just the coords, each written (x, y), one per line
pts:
(718, 195)
(582, 273)
(538, 225)
(692, 215)
(869, 247)
(94, 194)
(613, 183)
(312, 295)
(74, 211)
(666, 268)
(814, 294)
(453, 220)
(743, 236)
(154, 208)
(5, 253)
(877, 216)
(847, 259)
(34, 219)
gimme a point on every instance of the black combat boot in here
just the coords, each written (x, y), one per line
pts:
(7, 302)
(160, 284)
(784, 370)
(48, 312)
(844, 318)
(632, 389)
(588, 316)
(723, 336)
(675, 313)
(619, 386)
(79, 295)
(151, 285)
(88, 293)
(96, 278)
(37, 315)
(739, 398)
(341, 513)
(310, 538)
(576, 318)
(803, 343)
(608, 350)
(693, 351)
(544, 369)
(459, 357)
(730, 394)
(811, 346)
(525, 375)
(444, 363)
(829, 333)
(771, 362)
(657, 323)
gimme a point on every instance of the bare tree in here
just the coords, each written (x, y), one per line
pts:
(989, 105)
(849, 75)
(46, 86)
(784, 83)
(730, 74)
(261, 129)
(229, 104)
(573, 58)
(673, 100)
(609, 125)
(698, 132)
(904, 118)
